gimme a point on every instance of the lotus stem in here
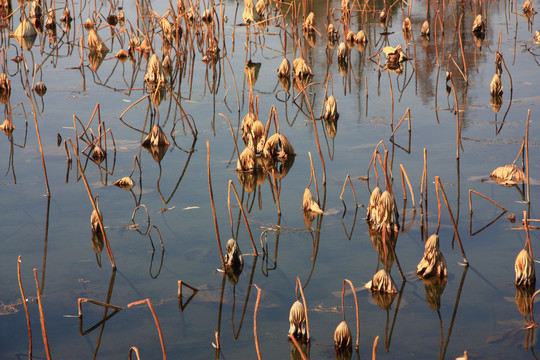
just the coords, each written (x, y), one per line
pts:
(232, 133)
(404, 173)
(183, 283)
(438, 182)
(68, 155)
(147, 216)
(316, 135)
(356, 305)
(407, 116)
(231, 185)
(40, 146)
(295, 342)
(526, 156)
(132, 105)
(101, 226)
(213, 206)
(348, 177)
(299, 286)
(374, 351)
(135, 350)
(485, 197)
(528, 241)
(255, 322)
(149, 303)
(461, 47)
(95, 302)
(25, 308)
(521, 150)
(314, 176)
(42, 319)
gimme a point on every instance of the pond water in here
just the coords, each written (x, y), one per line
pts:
(477, 310)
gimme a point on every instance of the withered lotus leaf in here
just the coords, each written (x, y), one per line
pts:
(508, 175)
(433, 262)
(233, 256)
(424, 31)
(382, 281)
(246, 162)
(309, 203)
(297, 320)
(496, 85)
(156, 138)
(284, 68)
(125, 183)
(342, 336)
(524, 266)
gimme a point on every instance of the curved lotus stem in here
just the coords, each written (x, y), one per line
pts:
(356, 304)
(231, 185)
(299, 286)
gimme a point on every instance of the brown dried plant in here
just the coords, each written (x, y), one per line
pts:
(278, 147)
(496, 85)
(433, 262)
(297, 320)
(479, 25)
(508, 175)
(382, 281)
(233, 255)
(309, 204)
(300, 69)
(156, 138)
(524, 267)
(424, 31)
(94, 222)
(330, 112)
(246, 161)
(284, 68)
(342, 336)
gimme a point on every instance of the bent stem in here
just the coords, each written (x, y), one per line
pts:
(25, 308)
(485, 197)
(42, 319)
(299, 286)
(255, 322)
(404, 173)
(101, 226)
(356, 305)
(297, 345)
(231, 185)
(213, 206)
(314, 176)
(439, 184)
(147, 301)
(343, 190)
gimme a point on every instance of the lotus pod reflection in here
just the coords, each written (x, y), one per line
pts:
(508, 175)
(434, 289)
(524, 266)
(433, 262)
(386, 257)
(523, 299)
(297, 320)
(382, 281)
(309, 203)
(5, 88)
(342, 336)
(252, 72)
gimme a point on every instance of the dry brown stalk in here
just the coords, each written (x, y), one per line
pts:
(404, 173)
(374, 351)
(356, 305)
(527, 155)
(255, 322)
(101, 226)
(39, 142)
(314, 174)
(25, 308)
(183, 283)
(231, 185)
(95, 302)
(135, 350)
(343, 190)
(299, 286)
(439, 185)
(147, 301)
(485, 197)
(212, 202)
(295, 342)
(42, 319)
(407, 116)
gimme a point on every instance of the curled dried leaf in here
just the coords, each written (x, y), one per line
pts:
(297, 320)
(342, 51)
(524, 266)
(433, 262)
(156, 138)
(300, 69)
(508, 175)
(278, 147)
(424, 31)
(407, 27)
(330, 109)
(309, 203)
(382, 281)
(496, 86)
(125, 183)
(342, 336)
(479, 26)
(361, 37)
(233, 256)
(246, 162)
(284, 68)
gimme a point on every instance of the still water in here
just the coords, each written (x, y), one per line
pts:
(477, 309)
